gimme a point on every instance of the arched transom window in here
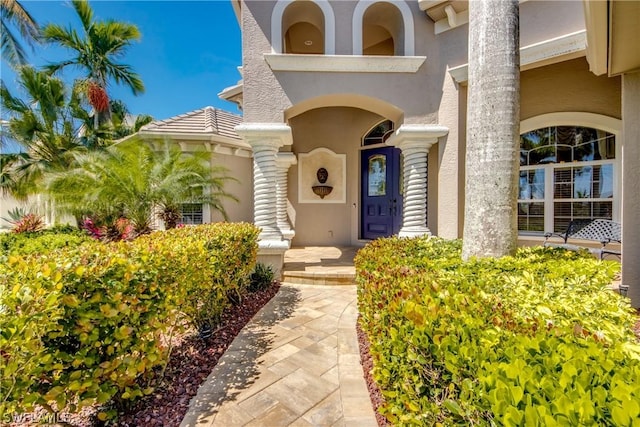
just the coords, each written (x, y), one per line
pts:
(566, 173)
(379, 133)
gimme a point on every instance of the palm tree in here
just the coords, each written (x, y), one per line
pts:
(134, 180)
(491, 191)
(121, 120)
(12, 13)
(43, 125)
(96, 52)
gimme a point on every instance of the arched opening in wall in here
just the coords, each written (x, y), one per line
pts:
(303, 28)
(382, 30)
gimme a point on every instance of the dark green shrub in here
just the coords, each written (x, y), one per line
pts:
(535, 339)
(261, 277)
(89, 324)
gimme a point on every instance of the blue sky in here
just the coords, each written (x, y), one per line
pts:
(189, 51)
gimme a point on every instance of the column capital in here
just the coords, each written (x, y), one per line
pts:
(417, 136)
(270, 134)
(286, 159)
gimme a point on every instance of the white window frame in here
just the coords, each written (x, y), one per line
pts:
(590, 120)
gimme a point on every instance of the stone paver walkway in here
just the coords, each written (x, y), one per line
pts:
(295, 364)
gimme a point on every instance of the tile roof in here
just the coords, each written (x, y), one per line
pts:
(205, 121)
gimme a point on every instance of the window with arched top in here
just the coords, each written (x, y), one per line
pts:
(382, 30)
(379, 133)
(383, 27)
(566, 173)
(303, 28)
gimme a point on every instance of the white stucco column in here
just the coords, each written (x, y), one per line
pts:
(283, 161)
(415, 142)
(265, 139)
(630, 185)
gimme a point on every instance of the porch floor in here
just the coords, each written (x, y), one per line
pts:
(319, 265)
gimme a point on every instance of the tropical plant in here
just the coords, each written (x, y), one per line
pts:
(28, 224)
(492, 154)
(123, 123)
(43, 125)
(133, 180)
(261, 278)
(96, 51)
(13, 14)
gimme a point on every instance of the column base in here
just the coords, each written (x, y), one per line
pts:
(414, 232)
(271, 252)
(288, 234)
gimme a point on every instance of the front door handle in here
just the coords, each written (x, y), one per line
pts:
(393, 207)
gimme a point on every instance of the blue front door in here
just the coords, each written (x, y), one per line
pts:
(381, 202)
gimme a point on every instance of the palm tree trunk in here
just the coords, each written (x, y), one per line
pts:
(493, 122)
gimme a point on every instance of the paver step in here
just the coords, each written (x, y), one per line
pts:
(319, 277)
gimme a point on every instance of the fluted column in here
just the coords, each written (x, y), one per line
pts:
(415, 141)
(265, 139)
(283, 161)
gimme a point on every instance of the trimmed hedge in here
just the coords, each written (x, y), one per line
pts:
(41, 241)
(534, 340)
(90, 324)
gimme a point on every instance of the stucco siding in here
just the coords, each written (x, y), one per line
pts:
(340, 130)
(546, 20)
(268, 94)
(568, 86)
(241, 169)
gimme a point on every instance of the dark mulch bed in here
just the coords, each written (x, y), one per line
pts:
(191, 362)
(377, 400)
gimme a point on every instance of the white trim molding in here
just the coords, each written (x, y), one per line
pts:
(407, 19)
(453, 20)
(574, 44)
(344, 63)
(329, 25)
(592, 120)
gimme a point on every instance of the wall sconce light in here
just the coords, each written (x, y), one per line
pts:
(322, 190)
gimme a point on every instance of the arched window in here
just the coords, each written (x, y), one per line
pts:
(382, 30)
(303, 27)
(566, 173)
(383, 27)
(379, 133)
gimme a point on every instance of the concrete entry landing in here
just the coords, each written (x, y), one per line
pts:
(319, 265)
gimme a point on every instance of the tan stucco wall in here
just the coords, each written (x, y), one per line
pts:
(568, 86)
(630, 185)
(268, 94)
(340, 130)
(546, 20)
(240, 168)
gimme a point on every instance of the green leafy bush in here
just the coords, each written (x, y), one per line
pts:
(89, 324)
(261, 277)
(41, 241)
(534, 339)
